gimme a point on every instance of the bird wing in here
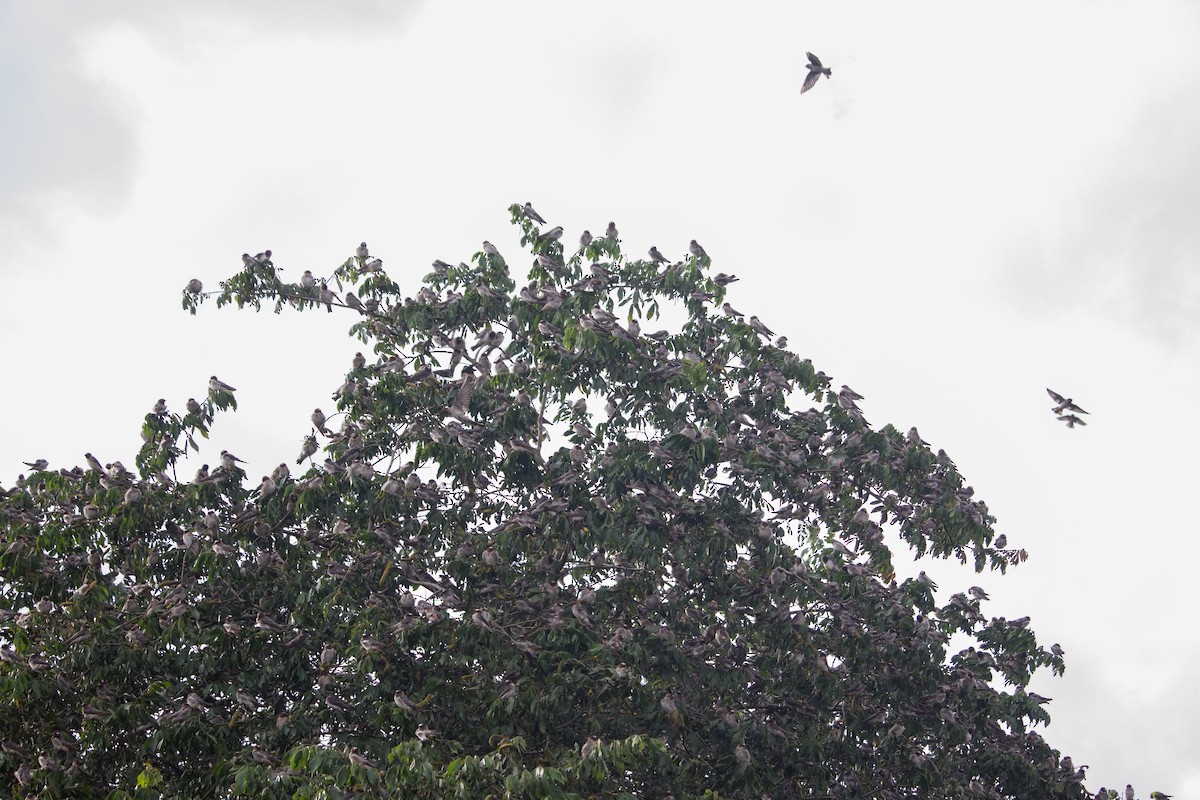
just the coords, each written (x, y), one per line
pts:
(1073, 407)
(814, 62)
(1055, 396)
(810, 81)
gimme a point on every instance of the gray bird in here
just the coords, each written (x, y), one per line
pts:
(723, 279)
(1072, 420)
(318, 419)
(194, 286)
(585, 239)
(307, 280)
(353, 301)
(490, 249)
(695, 249)
(730, 311)
(361, 251)
(554, 234)
(216, 386)
(533, 215)
(307, 449)
(611, 231)
(327, 297)
(815, 71)
(1063, 403)
(657, 257)
(37, 466)
(192, 406)
(160, 407)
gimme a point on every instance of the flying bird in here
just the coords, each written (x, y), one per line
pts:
(815, 71)
(1063, 403)
(1072, 420)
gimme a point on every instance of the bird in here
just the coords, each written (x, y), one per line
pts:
(160, 407)
(361, 251)
(37, 466)
(554, 234)
(327, 297)
(309, 447)
(533, 215)
(1128, 791)
(741, 754)
(318, 419)
(1072, 420)
(815, 71)
(695, 249)
(194, 286)
(490, 249)
(1063, 403)
(1159, 796)
(585, 239)
(307, 281)
(217, 386)
(611, 231)
(657, 257)
(192, 406)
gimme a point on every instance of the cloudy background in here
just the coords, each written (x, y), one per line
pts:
(983, 201)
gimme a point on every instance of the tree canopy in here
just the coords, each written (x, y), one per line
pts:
(537, 550)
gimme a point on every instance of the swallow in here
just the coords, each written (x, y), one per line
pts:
(194, 286)
(361, 251)
(307, 281)
(1072, 420)
(611, 231)
(192, 406)
(1064, 403)
(490, 249)
(217, 386)
(585, 239)
(533, 215)
(657, 257)
(696, 250)
(815, 71)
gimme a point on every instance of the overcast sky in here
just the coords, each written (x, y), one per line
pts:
(983, 201)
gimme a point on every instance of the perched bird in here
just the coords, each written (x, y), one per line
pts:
(216, 386)
(490, 249)
(724, 279)
(611, 231)
(307, 449)
(695, 249)
(37, 466)
(554, 234)
(741, 754)
(318, 419)
(585, 239)
(1159, 796)
(657, 257)
(533, 215)
(307, 280)
(1063, 403)
(361, 251)
(730, 311)
(192, 406)
(160, 407)
(815, 71)
(1128, 791)
(327, 297)
(194, 286)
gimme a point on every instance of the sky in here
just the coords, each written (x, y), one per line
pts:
(982, 201)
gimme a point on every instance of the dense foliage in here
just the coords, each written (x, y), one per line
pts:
(535, 551)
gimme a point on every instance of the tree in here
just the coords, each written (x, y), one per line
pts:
(547, 554)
